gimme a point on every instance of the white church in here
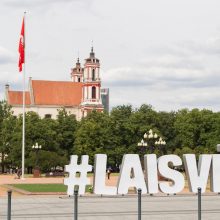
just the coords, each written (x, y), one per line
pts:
(79, 96)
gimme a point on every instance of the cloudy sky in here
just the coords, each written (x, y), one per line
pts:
(160, 52)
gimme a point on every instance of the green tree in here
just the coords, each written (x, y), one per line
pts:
(197, 129)
(165, 126)
(7, 122)
(93, 135)
(124, 137)
(37, 130)
(66, 128)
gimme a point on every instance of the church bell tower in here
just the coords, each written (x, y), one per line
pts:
(77, 72)
(91, 85)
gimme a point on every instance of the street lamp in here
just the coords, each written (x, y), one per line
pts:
(161, 144)
(36, 147)
(150, 135)
(151, 139)
(143, 146)
(3, 157)
(2, 161)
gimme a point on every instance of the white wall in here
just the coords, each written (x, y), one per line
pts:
(42, 111)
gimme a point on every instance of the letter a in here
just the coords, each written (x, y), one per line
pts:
(131, 161)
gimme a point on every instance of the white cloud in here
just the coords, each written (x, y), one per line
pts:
(170, 80)
(210, 47)
(43, 6)
(13, 79)
(165, 53)
(6, 56)
(171, 75)
(34, 3)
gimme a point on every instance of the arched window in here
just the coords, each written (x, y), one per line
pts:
(93, 75)
(93, 92)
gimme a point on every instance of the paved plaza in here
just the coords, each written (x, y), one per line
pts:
(116, 208)
(92, 207)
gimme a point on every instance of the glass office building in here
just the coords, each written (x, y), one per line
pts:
(105, 98)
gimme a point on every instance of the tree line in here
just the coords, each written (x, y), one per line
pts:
(115, 134)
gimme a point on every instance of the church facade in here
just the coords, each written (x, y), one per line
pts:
(79, 96)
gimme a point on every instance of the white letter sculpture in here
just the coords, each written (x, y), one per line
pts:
(131, 161)
(197, 177)
(99, 176)
(215, 173)
(150, 164)
(73, 168)
(131, 174)
(176, 177)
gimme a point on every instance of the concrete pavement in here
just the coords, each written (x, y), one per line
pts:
(180, 207)
(92, 207)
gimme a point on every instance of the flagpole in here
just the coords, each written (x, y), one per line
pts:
(23, 123)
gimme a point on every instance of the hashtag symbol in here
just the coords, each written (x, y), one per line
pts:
(73, 168)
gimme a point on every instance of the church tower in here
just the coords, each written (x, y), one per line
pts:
(91, 85)
(77, 72)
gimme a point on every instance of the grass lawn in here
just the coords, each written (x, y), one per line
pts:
(44, 187)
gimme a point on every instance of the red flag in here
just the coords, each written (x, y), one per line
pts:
(21, 48)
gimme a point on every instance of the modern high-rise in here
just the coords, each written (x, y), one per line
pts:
(105, 98)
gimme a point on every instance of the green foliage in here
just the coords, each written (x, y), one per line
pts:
(7, 123)
(46, 160)
(185, 131)
(93, 135)
(66, 127)
(197, 128)
(41, 187)
(45, 187)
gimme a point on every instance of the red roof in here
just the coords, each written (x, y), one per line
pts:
(50, 93)
(16, 98)
(56, 92)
